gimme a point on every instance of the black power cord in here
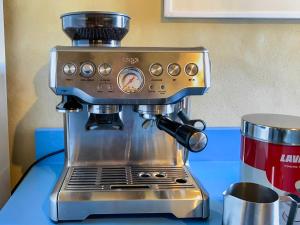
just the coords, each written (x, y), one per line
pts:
(32, 165)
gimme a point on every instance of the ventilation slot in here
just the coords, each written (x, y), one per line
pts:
(113, 176)
(84, 179)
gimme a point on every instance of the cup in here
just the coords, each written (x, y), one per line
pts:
(253, 204)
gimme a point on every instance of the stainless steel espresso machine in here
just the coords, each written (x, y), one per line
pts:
(127, 131)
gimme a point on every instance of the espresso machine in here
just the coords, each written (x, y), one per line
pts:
(126, 125)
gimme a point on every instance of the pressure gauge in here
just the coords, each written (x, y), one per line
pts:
(131, 80)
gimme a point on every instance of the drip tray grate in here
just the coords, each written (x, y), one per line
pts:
(127, 178)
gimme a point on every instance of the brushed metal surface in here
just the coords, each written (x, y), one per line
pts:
(272, 128)
(100, 89)
(104, 109)
(131, 146)
(53, 199)
(150, 111)
(139, 168)
(250, 204)
(124, 178)
(79, 199)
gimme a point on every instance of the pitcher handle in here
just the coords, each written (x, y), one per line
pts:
(288, 209)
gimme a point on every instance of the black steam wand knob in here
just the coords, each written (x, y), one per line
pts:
(188, 136)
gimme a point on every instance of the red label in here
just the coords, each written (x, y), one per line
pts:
(281, 163)
(254, 153)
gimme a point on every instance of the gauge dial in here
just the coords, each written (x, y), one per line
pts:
(131, 80)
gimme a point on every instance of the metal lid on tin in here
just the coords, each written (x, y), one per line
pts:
(272, 128)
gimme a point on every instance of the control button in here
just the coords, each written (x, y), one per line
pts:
(191, 69)
(87, 69)
(162, 87)
(174, 69)
(151, 87)
(69, 69)
(104, 69)
(156, 69)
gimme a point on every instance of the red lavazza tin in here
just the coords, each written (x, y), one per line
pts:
(271, 144)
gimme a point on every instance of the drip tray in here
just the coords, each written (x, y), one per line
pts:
(127, 178)
(87, 191)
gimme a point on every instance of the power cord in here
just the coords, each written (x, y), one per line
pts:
(32, 165)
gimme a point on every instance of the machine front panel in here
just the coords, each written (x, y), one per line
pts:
(134, 76)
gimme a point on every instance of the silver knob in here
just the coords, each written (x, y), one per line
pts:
(87, 69)
(69, 69)
(191, 69)
(174, 69)
(156, 69)
(105, 69)
(198, 141)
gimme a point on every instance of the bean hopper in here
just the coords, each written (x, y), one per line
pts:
(126, 126)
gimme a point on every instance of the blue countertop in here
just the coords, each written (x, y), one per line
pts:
(29, 205)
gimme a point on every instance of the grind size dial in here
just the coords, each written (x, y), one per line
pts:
(131, 80)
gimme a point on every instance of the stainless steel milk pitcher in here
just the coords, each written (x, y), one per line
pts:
(254, 204)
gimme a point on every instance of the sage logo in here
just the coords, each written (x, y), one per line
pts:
(131, 60)
(290, 158)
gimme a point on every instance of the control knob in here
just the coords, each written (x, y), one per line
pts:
(174, 69)
(105, 69)
(69, 69)
(87, 69)
(191, 69)
(156, 69)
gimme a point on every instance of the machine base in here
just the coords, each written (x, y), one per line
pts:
(85, 191)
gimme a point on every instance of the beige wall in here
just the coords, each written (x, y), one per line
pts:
(256, 65)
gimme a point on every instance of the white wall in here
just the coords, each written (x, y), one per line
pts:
(4, 156)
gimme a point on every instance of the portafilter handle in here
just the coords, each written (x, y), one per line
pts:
(198, 123)
(188, 136)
